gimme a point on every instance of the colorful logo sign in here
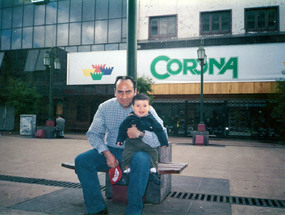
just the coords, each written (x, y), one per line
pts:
(97, 71)
(189, 66)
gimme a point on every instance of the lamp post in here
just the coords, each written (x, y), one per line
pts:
(202, 57)
(53, 63)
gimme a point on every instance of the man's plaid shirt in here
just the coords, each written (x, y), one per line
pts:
(106, 122)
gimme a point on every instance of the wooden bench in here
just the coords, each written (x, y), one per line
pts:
(154, 193)
(163, 168)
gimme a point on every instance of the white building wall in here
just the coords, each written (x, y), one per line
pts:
(188, 14)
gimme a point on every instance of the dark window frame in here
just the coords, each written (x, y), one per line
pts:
(255, 12)
(159, 35)
(211, 14)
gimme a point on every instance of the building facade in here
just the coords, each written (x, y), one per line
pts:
(243, 41)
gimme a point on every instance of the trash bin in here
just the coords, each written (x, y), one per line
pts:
(28, 124)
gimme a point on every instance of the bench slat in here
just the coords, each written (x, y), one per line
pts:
(171, 168)
(163, 168)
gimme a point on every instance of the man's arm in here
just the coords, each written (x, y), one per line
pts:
(96, 132)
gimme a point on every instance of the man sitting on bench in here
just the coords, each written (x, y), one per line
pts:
(102, 136)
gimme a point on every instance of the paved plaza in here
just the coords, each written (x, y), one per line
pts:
(229, 176)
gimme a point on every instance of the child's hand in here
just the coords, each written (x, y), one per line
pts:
(119, 144)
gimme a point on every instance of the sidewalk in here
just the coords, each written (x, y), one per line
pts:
(226, 168)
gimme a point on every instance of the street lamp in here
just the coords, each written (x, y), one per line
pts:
(202, 57)
(53, 63)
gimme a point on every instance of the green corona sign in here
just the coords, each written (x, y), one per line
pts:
(189, 67)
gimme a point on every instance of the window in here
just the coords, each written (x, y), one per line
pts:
(82, 114)
(218, 22)
(261, 19)
(163, 27)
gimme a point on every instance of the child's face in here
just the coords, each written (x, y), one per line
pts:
(141, 107)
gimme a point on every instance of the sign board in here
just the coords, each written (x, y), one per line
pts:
(233, 63)
(95, 67)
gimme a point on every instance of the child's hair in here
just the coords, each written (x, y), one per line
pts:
(140, 96)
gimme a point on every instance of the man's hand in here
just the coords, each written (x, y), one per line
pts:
(119, 144)
(133, 132)
(112, 161)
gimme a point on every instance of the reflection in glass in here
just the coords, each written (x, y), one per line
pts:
(83, 48)
(7, 3)
(63, 11)
(51, 13)
(28, 15)
(17, 16)
(74, 34)
(5, 39)
(71, 49)
(39, 65)
(97, 48)
(88, 10)
(124, 8)
(115, 9)
(110, 47)
(7, 13)
(16, 38)
(27, 37)
(124, 29)
(18, 2)
(39, 37)
(50, 35)
(31, 60)
(101, 32)
(75, 10)
(101, 9)
(114, 32)
(87, 32)
(62, 35)
(39, 15)
(123, 46)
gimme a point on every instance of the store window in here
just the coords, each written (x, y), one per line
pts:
(163, 27)
(217, 22)
(82, 114)
(261, 19)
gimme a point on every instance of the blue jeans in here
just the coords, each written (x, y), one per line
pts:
(89, 163)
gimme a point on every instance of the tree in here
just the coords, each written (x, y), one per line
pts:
(144, 85)
(23, 97)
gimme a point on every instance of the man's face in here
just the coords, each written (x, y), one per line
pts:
(141, 108)
(125, 92)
